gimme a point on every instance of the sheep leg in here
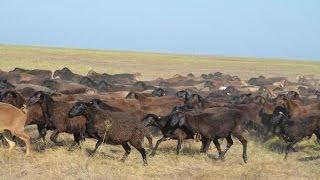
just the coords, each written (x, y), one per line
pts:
(206, 145)
(26, 138)
(7, 136)
(77, 139)
(244, 143)
(179, 146)
(137, 142)
(54, 136)
(217, 144)
(203, 145)
(76, 142)
(2, 139)
(127, 148)
(99, 142)
(318, 136)
(157, 144)
(42, 132)
(142, 151)
(149, 138)
(289, 146)
(144, 155)
(229, 144)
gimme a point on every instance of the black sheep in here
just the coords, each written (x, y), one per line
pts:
(167, 132)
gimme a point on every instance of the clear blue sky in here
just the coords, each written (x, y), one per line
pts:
(270, 28)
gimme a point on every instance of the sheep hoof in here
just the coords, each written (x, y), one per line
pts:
(245, 159)
(222, 158)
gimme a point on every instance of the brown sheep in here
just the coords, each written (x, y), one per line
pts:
(138, 114)
(13, 120)
(41, 74)
(295, 108)
(66, 74)
(294, 129)
(17, 77)
(124, 78)
(115, 128)
(14, 98)
(54, 116)
(135, 95)
(161, 106)
(65, 87)
(213, 124)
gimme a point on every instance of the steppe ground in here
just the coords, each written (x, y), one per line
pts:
(51, 162)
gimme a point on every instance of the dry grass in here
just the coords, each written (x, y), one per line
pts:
(151, 65)
(265, 161)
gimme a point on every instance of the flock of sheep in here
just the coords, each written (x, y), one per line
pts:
(121, 110)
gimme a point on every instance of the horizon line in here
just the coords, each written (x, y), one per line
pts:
(239, 57)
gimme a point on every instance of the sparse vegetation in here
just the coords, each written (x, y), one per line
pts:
(265, 162)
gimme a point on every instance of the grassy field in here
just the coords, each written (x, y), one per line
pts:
(150, 65)
(265, 161)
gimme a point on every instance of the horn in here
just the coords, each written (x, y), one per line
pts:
(152, 116)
